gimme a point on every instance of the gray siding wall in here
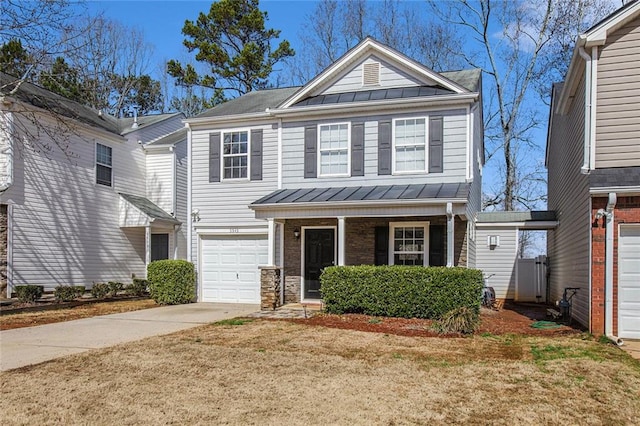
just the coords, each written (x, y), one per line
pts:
(455, 134)
(181, 197)
(64, 226)
(568, 245)
(225, 203)
(390, 76)
(500, 261)
(160, 179)
(475, 192)
(618, 104)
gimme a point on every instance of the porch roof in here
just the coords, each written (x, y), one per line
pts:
(444, 192)
(150, 210)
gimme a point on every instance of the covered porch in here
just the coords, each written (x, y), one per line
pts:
(310, 229)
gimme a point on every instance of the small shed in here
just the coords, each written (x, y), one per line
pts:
(497, 244)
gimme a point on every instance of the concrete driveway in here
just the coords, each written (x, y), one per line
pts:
(32, 345)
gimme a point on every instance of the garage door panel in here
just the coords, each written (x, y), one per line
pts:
(629, 282)
(230, 271)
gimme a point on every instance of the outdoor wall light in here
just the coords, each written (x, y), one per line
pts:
(296, 233)
(195, 215)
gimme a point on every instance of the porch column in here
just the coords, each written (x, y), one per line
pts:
(271, 242)
(450, 235)
(341, 241)
(147, 246)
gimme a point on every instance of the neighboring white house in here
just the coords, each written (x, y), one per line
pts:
(86, 197)
(377, 160)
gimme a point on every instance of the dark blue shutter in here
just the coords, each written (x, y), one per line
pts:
(436, 151)
(357, 149)
(256, 154)
(214, 157)
(310, 151)
(384, 147)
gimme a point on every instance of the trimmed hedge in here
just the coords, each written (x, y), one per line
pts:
(172, 282)
(67, 293)
(100, 290)
(28, 293)
(138, 287)
(400, 291)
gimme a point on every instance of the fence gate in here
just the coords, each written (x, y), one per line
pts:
(531, 280)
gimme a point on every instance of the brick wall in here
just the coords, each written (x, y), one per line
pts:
(627, 210)
(3, 250)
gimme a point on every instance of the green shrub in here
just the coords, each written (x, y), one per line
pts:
(400, 291)
(171, 282)
(29, 293)
(67, 293)
(114, 288)
(138, 287)
(100, 290)
(460, 320)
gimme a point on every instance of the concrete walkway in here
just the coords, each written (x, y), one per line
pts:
(632, 347)
(32, 345)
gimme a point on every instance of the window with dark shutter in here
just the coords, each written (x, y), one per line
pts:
(214, 157)
(256, 154)
(310, 151)
(436, 152)
(357, 149)
(384, 147)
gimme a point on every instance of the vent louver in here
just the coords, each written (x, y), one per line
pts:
(371, 74)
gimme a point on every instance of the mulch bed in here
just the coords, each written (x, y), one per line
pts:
(512, 319)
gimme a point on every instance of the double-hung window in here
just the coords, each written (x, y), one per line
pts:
(410, 145)
(334, 149)
(409, 243)
(104, 165)
(235, 155)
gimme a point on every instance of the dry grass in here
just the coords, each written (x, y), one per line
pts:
(275, 372)
(10, 321)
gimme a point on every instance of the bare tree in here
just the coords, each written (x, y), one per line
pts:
(520, 46)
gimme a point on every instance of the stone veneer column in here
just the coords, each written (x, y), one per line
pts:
(269, 287)
(3, 249)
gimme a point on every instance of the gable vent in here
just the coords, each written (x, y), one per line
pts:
(371, 74)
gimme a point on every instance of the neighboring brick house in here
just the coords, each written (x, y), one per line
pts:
(593, 159)
(377, 160)
(86, 197)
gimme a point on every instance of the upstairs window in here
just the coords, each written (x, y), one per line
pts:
(409, 145)
(235, 155)
(104, 165)
(334, 149)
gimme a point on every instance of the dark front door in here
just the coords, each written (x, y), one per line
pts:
(437, 249)
(159, 246)
(319, 252)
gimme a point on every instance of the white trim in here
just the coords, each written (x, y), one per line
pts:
(189, 198)
(147, 247)
(320, 150)
(424, 224)
(341, 243)
(358, 203)
(302, 265)
(594, 108)
(469, 145)
(246, 130)
(540, 224)
(279, 153)
(10, 281)
(617, 260)
(271, 241)
(426, 146)
(230, 230)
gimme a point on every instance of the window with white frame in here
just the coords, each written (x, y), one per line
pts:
(410, 145)
(235, 155)
(409, 242)
(334, 149)
(104, 165)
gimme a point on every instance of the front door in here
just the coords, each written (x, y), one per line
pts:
(159, 246)
(319, 252)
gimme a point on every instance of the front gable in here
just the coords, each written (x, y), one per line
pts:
(370, 66)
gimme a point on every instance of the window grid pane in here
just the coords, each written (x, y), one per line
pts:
(408, 245)
(334, 149)
(104, 160)
(235, 148)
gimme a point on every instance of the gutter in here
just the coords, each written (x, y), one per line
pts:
(589, 107)
(607, 213)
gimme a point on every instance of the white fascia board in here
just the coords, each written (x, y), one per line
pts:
(364, 204)
(598, 36)
(358, 51)
(540, 224)
(373, 106)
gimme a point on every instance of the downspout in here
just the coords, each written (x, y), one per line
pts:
(607, 213)
(7, 152)
(588, 110)
(189, 207)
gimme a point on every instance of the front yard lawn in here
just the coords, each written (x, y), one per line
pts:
(278, 372)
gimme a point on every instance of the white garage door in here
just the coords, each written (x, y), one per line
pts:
(629, 282)
(230, 271)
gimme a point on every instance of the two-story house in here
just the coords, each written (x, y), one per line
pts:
(86, 197)
(377, 160)
(593, 159)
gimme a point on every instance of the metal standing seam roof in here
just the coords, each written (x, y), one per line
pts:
(149, 208)
(374, 95)
(511, 216)
(366, 193)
